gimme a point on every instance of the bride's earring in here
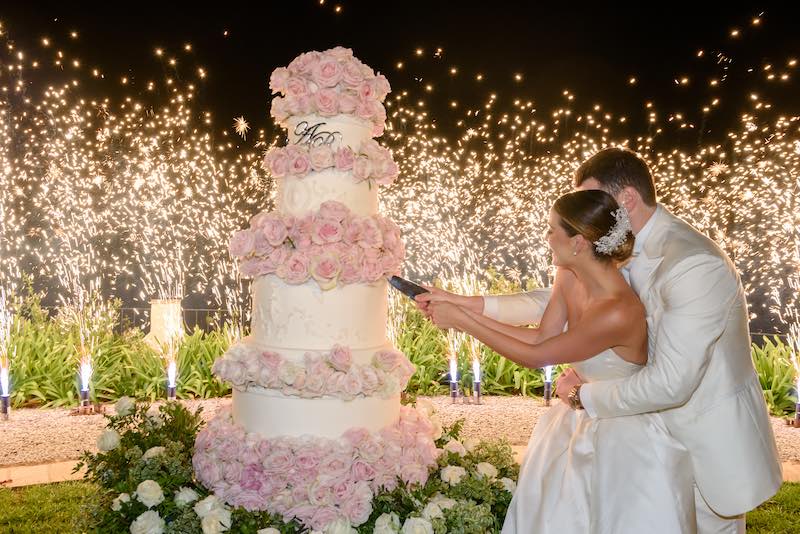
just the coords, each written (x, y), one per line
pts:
(574, 252)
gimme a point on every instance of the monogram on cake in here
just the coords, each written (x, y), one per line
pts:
(316, 427)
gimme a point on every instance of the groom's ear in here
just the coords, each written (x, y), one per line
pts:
(629, 198)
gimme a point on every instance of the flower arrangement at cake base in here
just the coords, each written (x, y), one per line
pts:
(383, 483)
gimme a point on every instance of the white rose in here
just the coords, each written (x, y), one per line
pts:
(487, 470)
(288, 372)
(186, 496)
(456, 447)
(432, 511)
(387, 524)
(206, 506)
(509, 485)
(340, 526)
(417, 525)
(152, 452)
(148, 523)
(471, 444)
(149, 493)
(445, 503)
(116, 504)
(425, 406)
(108, 440)
(124, 406)
(217, 520)
(269, 530)
(391, 387)
(452, 474)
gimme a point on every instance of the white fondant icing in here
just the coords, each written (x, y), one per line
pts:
(272, 414)
(306, 317)
(300, 196)
(338, 131)
(360, 356)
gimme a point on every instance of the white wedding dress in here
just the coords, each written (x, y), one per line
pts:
(620, 475)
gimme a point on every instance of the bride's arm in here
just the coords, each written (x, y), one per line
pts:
(601, 328)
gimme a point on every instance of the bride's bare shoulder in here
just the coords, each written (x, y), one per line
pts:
(622, 309)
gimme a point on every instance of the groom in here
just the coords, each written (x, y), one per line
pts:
(700, 375)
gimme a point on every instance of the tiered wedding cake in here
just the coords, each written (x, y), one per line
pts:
(316, 429)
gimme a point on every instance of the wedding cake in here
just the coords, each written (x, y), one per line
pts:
(316, 428)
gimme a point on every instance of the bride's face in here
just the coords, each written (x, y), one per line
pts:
(560, 242)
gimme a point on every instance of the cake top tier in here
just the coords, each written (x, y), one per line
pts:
(327, 84)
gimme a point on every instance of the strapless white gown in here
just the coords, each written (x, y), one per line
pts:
(620, 475)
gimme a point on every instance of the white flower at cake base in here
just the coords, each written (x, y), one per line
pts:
(417, 525)
(340, 526)
(455, 447)
(149, 493)
(445, 503)
(269, 530)
(471, 444)
(452, 474)
(108, 440)
(509, 485)
(124, 406)
(216, 522)
(207, 505)
(438, 429)
(148, 523)
(185, 496)
(425, 407)
(485, 469)
(432, 511)
(152, 452)
(387, 524)
(116, 504)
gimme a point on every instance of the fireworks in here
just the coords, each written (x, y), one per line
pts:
(143, 194)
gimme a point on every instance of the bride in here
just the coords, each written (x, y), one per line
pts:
(581, 475)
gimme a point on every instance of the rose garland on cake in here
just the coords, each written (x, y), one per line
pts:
(332, 246)
(371, 162)
(329, 83)
(314, 480)
(332, 374)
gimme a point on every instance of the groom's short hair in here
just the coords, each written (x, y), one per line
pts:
(617, 168)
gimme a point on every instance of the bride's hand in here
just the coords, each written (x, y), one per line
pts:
(424, 300)
(566, 381)
(445, 314)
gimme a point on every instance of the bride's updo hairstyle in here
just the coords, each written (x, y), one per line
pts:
(591, 213)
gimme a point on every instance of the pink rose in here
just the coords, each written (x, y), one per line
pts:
(279, 256)
(359, 507)
(278, 162)
(334, 210)
(252, 267)
(356, 436)
(326, 231)
(296, 87)
(300, 231)
(341, 53)
(279, 109)
(340, 358)
(241, 243)
(278, 79)
(250, 500)
(365, 91)
(300, 165)
(280, 461)
(261, 246)
(386, 480)
(388, 172)
(352, 74)
(327, 102)
(351, 266)
(371, 450)
(251, 477)
(353, 229)
(327, 73)
(344, 158)
(380, 87)
(369, 379)
(371, 235)
(414, 474)
(352, 383)
(362, 168)
(321, 157)
(334, 386)
(303, 63)
(325, 270)
(295, 270)
(335, 464)
(323, 517)
(372, 149)
(347, 103)
(308, 457)
(274, 229)
(362, 471)
(315, 384)
(233, 471)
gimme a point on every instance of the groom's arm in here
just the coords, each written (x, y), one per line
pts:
(698, 297)
(517, 309)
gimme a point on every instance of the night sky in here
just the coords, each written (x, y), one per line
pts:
(592, 50)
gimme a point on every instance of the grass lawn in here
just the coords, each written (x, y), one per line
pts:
(53, 508)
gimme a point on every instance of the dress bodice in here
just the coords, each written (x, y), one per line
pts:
(605, 366)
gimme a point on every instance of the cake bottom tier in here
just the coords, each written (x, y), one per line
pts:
(316, 480)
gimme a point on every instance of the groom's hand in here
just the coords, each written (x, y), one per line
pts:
(566, 381)
(423, 301)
